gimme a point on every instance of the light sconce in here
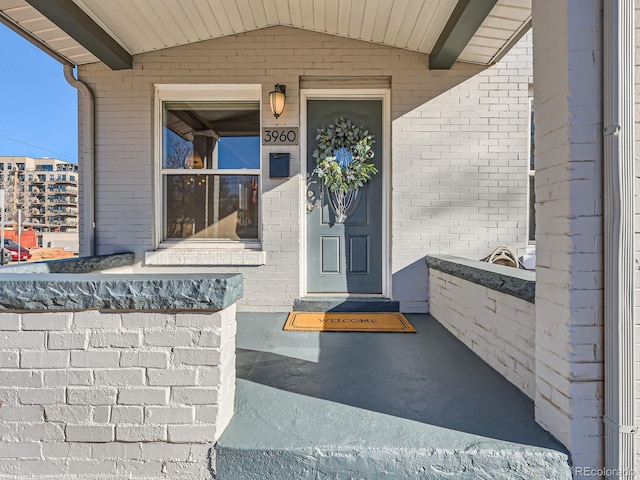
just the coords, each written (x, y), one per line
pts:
(277, 99)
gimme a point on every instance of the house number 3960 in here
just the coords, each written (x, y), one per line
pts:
(280, 136)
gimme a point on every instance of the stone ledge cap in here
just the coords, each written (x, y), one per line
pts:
(511, 281)
(80, 292)
(73, 265)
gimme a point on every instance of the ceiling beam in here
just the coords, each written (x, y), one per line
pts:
(461, 27)
(79, 26)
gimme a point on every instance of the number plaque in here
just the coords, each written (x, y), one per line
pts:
(279, 135)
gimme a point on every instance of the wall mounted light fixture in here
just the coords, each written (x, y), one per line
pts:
(277, 99)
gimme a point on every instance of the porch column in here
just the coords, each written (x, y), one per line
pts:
(569, 289)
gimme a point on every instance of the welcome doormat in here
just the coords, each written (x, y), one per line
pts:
(348, 322)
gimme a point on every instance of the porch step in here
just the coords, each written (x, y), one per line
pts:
(359, 406)
(280, 435)
(325, 304)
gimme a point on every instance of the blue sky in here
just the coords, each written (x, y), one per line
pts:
(38, 108)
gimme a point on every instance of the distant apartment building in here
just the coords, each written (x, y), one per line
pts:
(44, 189)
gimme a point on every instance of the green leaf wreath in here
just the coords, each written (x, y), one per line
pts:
(343, 156)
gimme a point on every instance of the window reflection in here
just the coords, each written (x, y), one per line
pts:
(211, 170)
(212, 206)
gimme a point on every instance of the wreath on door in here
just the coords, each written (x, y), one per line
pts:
(343, 163)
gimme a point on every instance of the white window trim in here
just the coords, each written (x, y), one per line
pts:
(192, 252)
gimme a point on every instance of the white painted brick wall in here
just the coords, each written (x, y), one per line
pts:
(569, 236)
(498, 327)
(458, 154)
(94, 395)
(460, 171)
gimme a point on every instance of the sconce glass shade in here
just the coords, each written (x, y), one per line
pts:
(277, 100)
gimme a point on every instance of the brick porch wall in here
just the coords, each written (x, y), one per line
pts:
(498, 327)
(114, 395)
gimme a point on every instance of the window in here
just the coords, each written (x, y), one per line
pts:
(532, 176)
(210, 169)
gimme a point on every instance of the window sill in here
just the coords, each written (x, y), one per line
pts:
(206, 257)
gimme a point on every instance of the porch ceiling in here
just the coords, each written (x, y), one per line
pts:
(147, 25)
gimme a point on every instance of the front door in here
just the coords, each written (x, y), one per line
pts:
(345, 257)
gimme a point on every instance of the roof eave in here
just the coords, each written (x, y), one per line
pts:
(78, 25)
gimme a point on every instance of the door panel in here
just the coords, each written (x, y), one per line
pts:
(345, 258)
(359, 254)
(330, 254)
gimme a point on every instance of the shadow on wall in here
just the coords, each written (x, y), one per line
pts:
(432, 84)
(461, 230)
(410, 287)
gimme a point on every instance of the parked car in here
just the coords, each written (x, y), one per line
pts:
(16, 251)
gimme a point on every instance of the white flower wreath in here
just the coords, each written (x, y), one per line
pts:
(343, 156)
(343, 163)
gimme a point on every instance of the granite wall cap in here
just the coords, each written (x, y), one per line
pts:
(79, 292)
(73, 265)
(512, 281)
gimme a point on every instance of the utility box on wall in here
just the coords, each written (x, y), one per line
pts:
(279, 165)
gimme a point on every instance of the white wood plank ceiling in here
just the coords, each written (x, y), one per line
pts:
(495, 33)
(147, 25)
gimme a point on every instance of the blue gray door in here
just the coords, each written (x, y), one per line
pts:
(345, 257)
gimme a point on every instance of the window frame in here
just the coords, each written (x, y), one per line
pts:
(200, 93)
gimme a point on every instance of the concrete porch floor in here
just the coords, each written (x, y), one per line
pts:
(376, 406)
